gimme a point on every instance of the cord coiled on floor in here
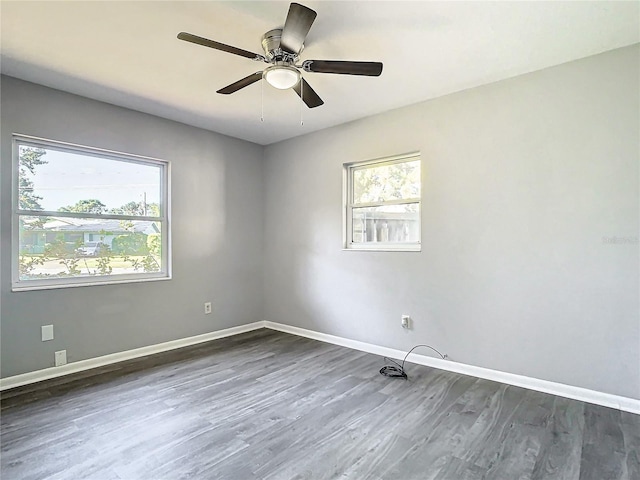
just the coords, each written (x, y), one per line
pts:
(397, 370)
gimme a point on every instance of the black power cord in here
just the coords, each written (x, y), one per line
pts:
(397, 370)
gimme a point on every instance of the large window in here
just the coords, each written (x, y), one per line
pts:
(85, 216)
(382, 204)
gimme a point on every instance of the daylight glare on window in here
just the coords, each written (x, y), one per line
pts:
(383, 208)
(66, 181)
(387, 182)
(83, 216)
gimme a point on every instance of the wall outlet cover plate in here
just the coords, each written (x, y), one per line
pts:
(61, 358)
(47, 333)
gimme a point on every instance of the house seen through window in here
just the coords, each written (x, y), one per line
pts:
(85, 216)
(383, 204)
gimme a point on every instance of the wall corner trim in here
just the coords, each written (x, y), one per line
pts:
(568, 391)
(82, 365)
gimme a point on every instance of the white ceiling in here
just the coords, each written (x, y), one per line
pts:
(126, 53)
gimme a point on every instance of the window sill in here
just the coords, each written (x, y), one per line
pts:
(54, 286)
(384, 248)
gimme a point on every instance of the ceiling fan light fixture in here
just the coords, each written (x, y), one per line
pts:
(282, 77)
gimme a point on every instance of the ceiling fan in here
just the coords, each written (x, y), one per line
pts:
(282, 47)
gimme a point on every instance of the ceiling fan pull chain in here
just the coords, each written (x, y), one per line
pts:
(301, 100)
(262, 100)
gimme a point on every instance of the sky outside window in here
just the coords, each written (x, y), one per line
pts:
(68, 177)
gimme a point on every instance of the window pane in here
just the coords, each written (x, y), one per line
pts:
(389, 223)
(57, 247)
(397, 181)
(55, 180)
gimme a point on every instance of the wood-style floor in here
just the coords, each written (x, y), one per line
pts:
(267, 405)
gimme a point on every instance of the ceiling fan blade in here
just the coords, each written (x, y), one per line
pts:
(308, 94)
(205, 42)
(245, 82)
(371, 69)
(296, 27)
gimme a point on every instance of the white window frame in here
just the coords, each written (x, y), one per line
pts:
(82, 281)
(348, 206)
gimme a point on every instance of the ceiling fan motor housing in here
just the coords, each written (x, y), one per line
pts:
(272, 50)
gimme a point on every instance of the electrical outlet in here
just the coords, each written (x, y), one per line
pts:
(61, 358)
(406, 321)
(47, 333)
(207, 308)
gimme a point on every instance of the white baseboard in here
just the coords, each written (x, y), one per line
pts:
(53, 372)
(576, 393)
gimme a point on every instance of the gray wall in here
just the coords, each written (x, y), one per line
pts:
(216, 231)
(522, 180)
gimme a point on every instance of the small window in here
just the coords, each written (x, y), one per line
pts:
(382, 204)
(85, 216)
